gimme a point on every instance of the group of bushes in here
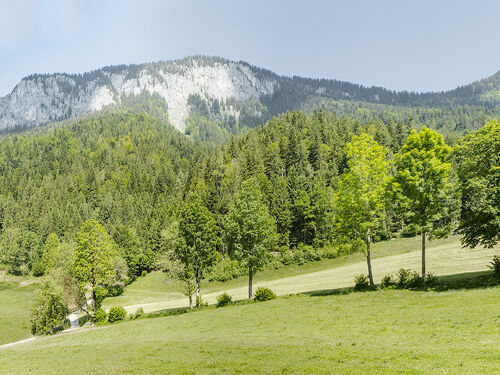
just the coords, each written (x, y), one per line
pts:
(115, 314)
(227, 269)
(405, 278)
(261, 294)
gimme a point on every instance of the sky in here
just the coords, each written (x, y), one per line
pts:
(398, 44)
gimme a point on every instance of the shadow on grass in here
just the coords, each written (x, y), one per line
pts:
(467, 280)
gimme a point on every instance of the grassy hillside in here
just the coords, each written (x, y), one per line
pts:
(15, 306)
(154, 292)
(384, 332)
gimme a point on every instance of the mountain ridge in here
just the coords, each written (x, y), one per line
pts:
(225, 90)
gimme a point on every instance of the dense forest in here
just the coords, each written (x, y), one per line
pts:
(141, 179)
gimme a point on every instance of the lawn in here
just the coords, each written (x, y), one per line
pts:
(444, 257)
(383, 332)
(15, 306)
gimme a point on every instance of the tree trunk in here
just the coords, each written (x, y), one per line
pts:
(190, 301)
(423, 255)
(198, 298)
(250, 276)
(368, 261)
(94, 299)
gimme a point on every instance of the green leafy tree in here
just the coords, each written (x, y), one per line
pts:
(423, 184)
(49, 309)
(199, 233)
(94, 255)
(477, 158)
(250, 231)
(360, 200)
(49, 252)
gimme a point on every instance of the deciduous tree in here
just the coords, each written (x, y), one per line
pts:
(359, 202)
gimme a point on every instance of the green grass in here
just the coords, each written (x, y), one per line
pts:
(15, 306)
(154, 292)
(383, 332)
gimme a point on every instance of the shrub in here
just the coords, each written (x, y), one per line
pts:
(100, 316)
(361, 282)
(264, 294)
(223, 299)
(138, 313)
(200, 303)
(495, 266)
(49, 311)
(387, 281)
(330, 252)
(225, 269)
(431, 280)
(144, 273)
(114, 290)
(116, 313)
(408, 279)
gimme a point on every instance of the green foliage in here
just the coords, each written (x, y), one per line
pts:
(477, 159)
(424, 185)
(495, 266)
(49, 252)
(250, 230)
(100, 316)
(94, 258)
(387, 281)
(139, 313)
(408, 279)
(361, 282)
(223, 299)
(225, 269)
(264, 294)
(50, 309)
(199, 237)
(116, 314)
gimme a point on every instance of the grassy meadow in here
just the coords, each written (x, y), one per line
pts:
(445, 257)
(15, 307)
(382, 332)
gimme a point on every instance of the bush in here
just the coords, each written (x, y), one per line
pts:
(264, 294)
(431, 280)
(495, 266)
(116, 313)
(100, 316)
(330, 252)
(223, 300)
(114, 290)
(408, 279)
(49, 311)
(138, 313)
(225, 269)
(199, 302)
(144, 273)
(387, 281)
(361, 282)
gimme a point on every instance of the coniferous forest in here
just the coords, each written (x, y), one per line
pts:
(142, 179)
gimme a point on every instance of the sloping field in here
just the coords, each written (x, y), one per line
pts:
(383, 332)
(442, 260)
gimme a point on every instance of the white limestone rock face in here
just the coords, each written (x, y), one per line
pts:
(38, 100)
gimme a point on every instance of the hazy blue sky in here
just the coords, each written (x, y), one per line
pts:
(415, 45)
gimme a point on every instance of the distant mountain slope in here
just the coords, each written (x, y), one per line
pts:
(232, 93)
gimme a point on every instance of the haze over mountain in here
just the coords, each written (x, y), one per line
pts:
(220, 89)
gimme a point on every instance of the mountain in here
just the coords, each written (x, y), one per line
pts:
(232, 94)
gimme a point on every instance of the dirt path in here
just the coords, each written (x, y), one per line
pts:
(441, 260)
